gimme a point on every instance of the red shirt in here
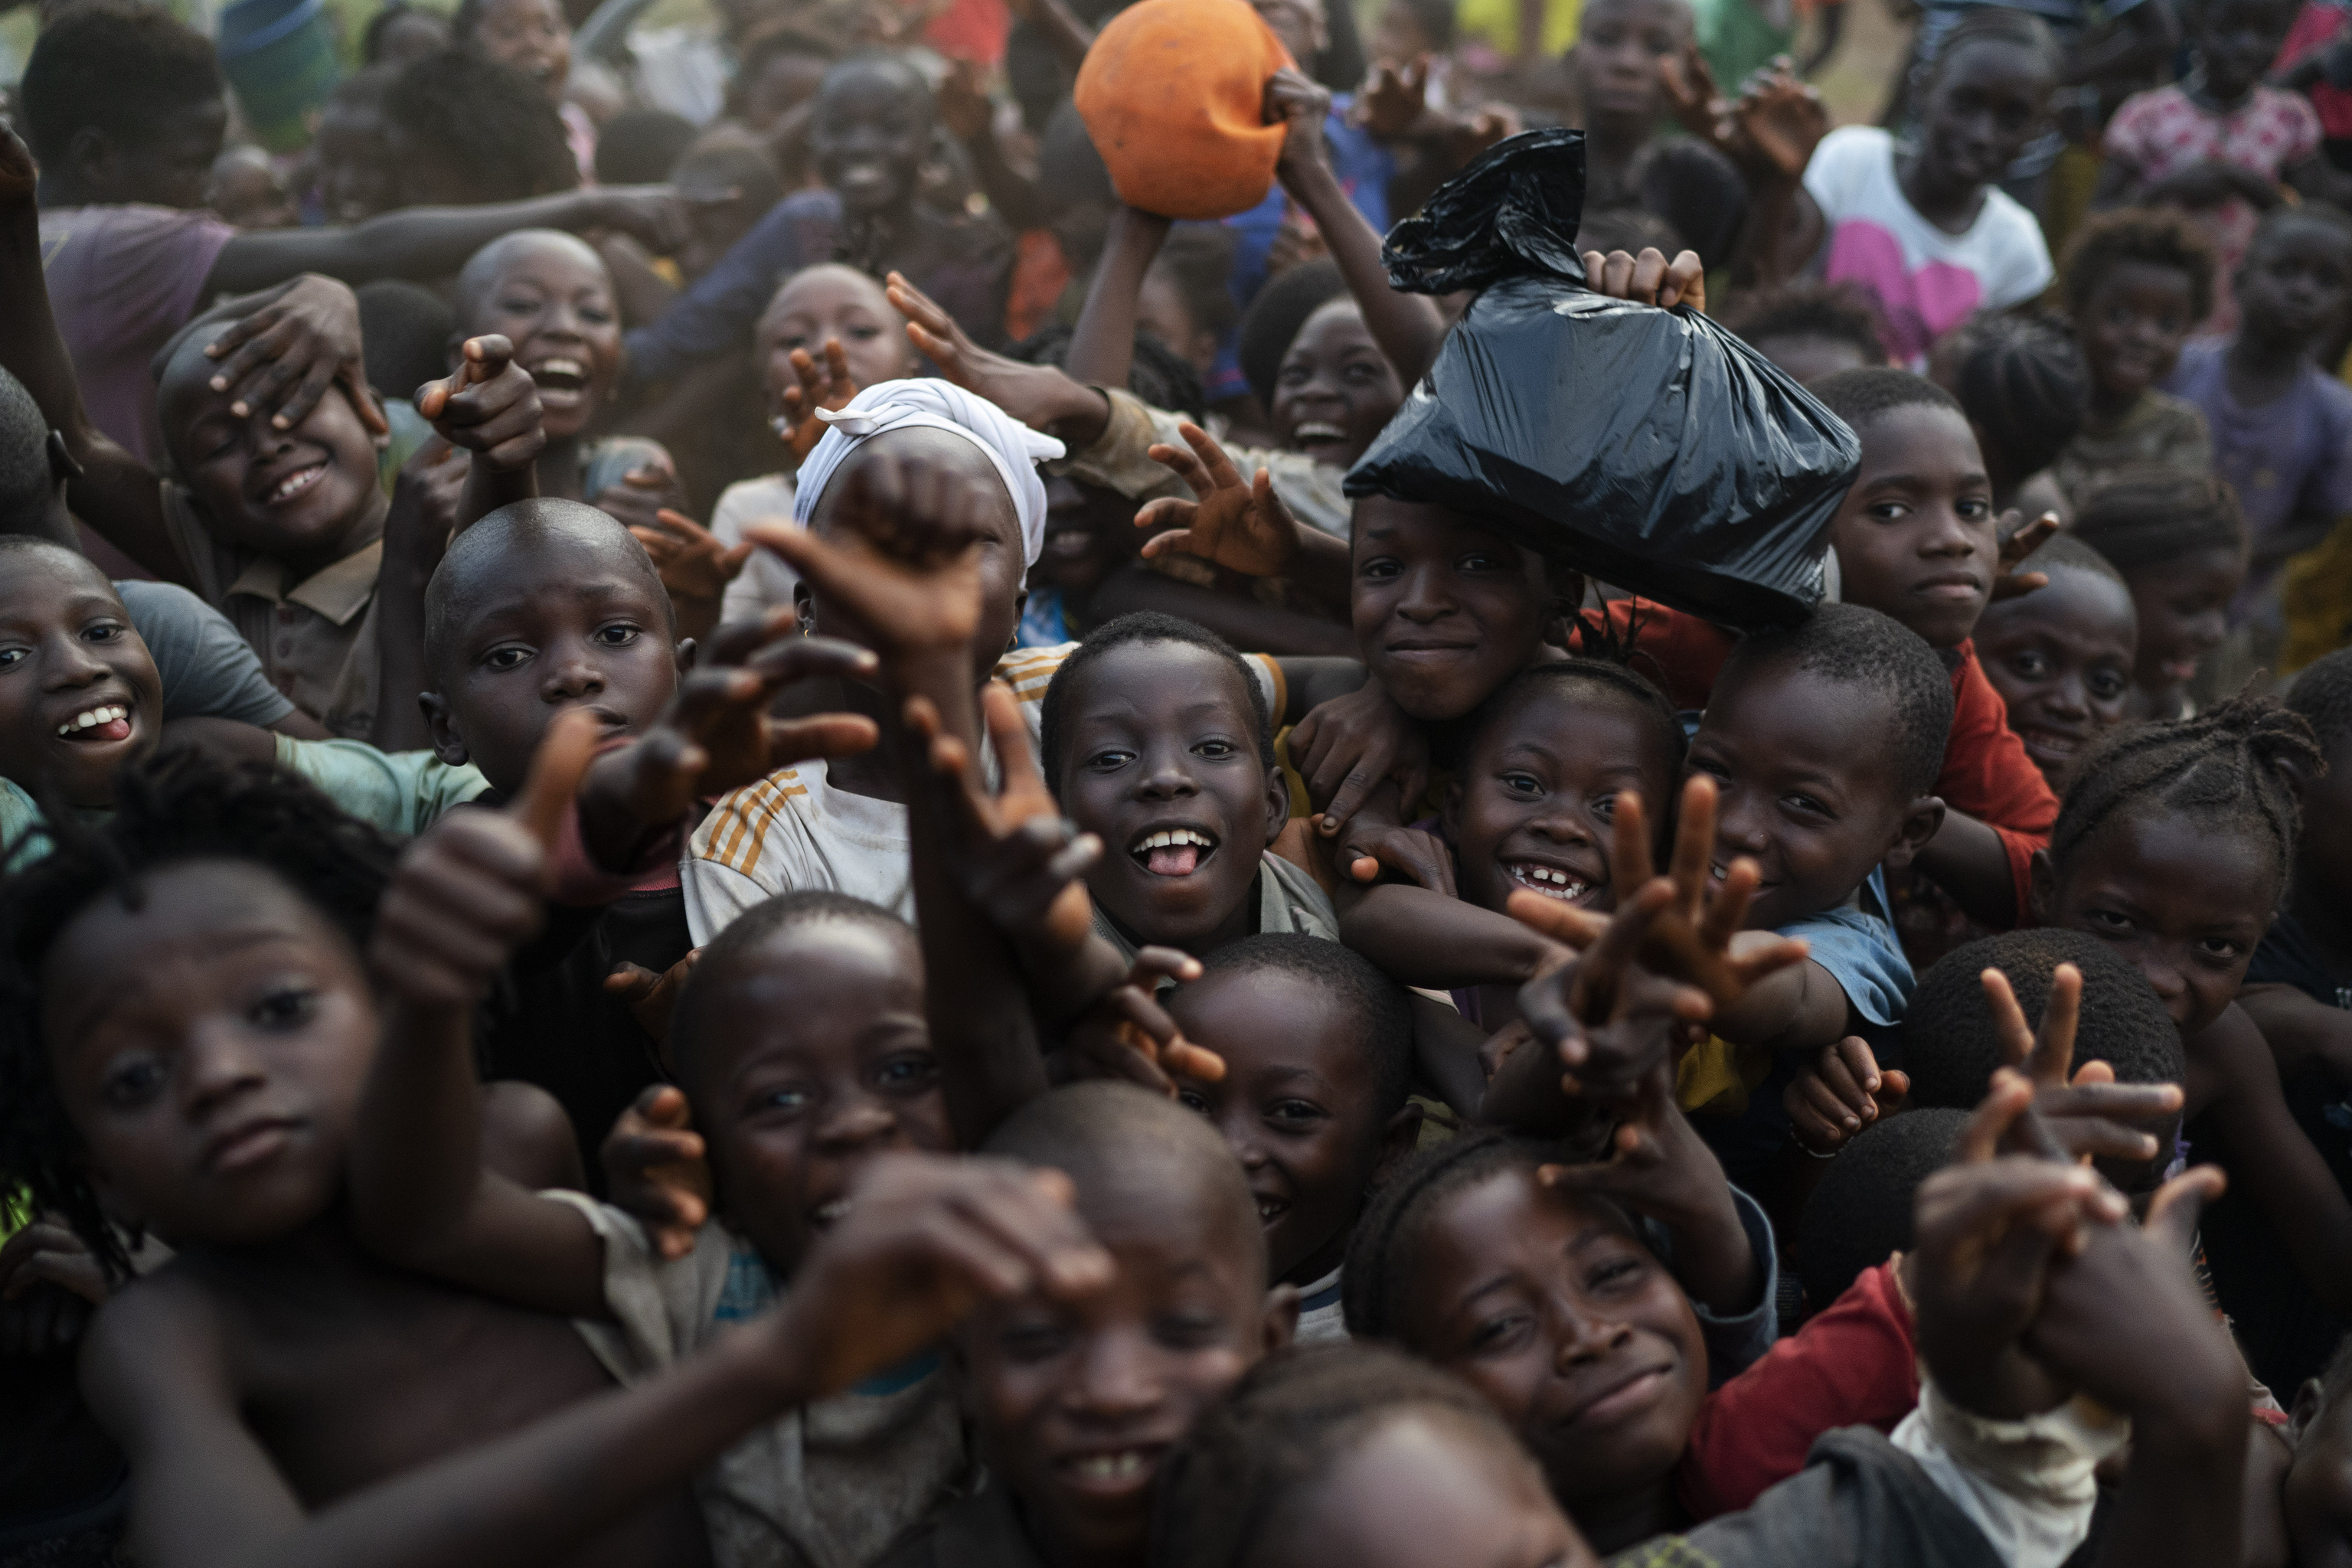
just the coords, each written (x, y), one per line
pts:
(1986, 774)
(1854, 1364)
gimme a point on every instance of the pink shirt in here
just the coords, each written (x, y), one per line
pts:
(122, 280)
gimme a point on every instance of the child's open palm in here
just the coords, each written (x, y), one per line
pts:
(1778, 121)
(1239, 524)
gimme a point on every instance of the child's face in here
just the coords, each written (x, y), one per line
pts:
(305, 494)
(1985, 103)
(554, 621)
(533, 37)
(1078, 1403)
(785, 82)
(1335, 389)
(1619, 47)
(2183, 610)
(2061, 656)
(553, 300)
(1444, 610)
(1806, 775)
(1090, 532)
(1538, 793)
(1915, 535)
(1163, 741)
(871, 128)
(2132, 325)
(2235, 41)
(1295, 1105)
(2319, 1490)
(2293, 286)
(209, 1048)
(816, 1058)
(354, 163)
(1429, 1476)
(2185, 903)
(1303, 25)
(837, 302)
(1550, 1307)
(69, 655)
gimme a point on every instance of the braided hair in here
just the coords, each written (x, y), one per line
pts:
(2025, 384)
(2233, 766)
(170, 810)
(1388, 1234)
(2149, 516)
(1249, 1466)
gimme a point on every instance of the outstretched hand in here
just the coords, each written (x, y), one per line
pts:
(1241, 524)
(1608, 1020)
(657, 1170)
(285, 354)
(470, 890)
(927, 1239)
(2088, 1114)
(2020, 539)
(825, 382)
(1128, 1036)
(489, 405)
(1039, 395)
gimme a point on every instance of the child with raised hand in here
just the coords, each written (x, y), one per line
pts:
(2222, 141)
(1927, 229)
(2180, 545)
(534, 36)
(230, 1135)
(2174, 847)
(2281, 425)
(2137, 282)
(829, 332)
(2063, 657)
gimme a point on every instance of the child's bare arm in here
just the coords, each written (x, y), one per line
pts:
(2300, 1033)
(1407, 327)
(1239, 522)
(115, 493)
(1967, 860)
(1425, 938)
(1102, 346)
(1041, 396)
(2280, 1168)
(466, 895)
(929, 1238)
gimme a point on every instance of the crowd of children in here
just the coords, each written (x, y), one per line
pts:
(796, 872)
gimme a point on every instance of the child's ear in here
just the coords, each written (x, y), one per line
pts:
(448, 745)
(2042, 886)
(1281, 1324)
(1277, 803)
(1398, 1139)
(1922, 819)
(804, 607)
(2309, 1401)
(683, 655)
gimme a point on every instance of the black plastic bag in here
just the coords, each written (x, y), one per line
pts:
(1651, 447)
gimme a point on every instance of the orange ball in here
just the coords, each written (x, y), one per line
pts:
(1174, 93)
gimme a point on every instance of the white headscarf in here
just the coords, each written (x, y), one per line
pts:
(1013, 446)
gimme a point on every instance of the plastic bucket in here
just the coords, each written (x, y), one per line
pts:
(279, 56)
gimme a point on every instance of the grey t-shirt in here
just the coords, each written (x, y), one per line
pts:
(209, 671)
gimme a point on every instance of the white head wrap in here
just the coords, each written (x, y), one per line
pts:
(1013, 446)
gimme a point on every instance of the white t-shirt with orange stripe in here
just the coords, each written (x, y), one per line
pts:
(793, 830)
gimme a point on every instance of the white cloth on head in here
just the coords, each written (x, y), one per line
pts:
(1013, 446)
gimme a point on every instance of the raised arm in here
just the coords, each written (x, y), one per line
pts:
(466, 894)
(434, 242)
(1406, 326)
(1102, 348)
(114, 492)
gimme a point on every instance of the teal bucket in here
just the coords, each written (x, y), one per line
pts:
(279, 56)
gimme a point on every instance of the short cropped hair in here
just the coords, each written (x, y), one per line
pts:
(1857, 647)
(2156, 236)
(1354, 982)
(1834, 312)
(117, 67)
(1141, 626)
(1860, 397)
(1860, 1216)
(743, 937)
